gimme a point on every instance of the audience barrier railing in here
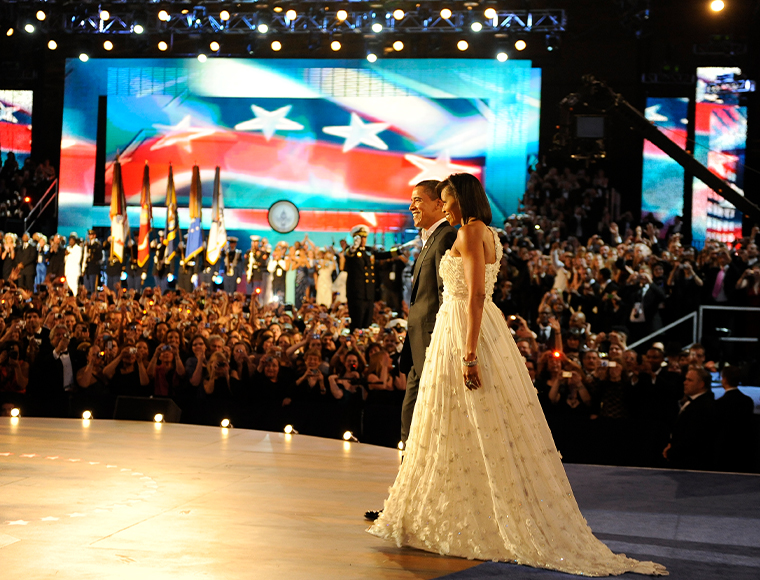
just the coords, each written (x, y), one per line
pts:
(694, 330)
(46, 199)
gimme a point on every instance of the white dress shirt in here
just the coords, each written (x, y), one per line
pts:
(425, 234)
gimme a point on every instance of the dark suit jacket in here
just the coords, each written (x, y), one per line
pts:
(692, 443)
(27, 257)
(426, 297)
(360, 269)
(736, 440)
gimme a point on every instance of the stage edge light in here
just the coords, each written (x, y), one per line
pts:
(502, 57)
(401, 446)
(87, 415)
(158, 418)
(15, 412)
(348, 436)
(225, 424)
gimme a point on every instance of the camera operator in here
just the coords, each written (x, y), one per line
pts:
(126, 374)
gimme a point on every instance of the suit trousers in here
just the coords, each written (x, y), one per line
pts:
(26, 280)
(410, 398)
(90, 282)
(360, 312)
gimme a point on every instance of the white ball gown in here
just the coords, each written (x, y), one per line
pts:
(481, 476)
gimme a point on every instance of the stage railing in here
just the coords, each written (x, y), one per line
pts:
(47, 198)
(656, 333)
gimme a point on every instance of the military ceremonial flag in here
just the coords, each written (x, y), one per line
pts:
(119, 221)
(217, 236)
(195, 233)
(172, 221)
(146, 220)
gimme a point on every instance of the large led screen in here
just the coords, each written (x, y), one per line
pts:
(720, 144)
(16, 123)
(343, 139)
(663, 178)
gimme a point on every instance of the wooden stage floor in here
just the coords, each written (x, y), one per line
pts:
(120, 499)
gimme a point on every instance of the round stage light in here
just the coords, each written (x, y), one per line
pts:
(347, 436)
(225, 423)
(138, 29)
(291, 15)
(372, 57)
(289, 429)
(52, 44)
(398, 14)
(224, 15)
(521, 45)
(29, 28)
(476, 26)
(84, 57)
(105, 15)
(335, 45)
(277, 47)
(9, 32)
(490, 13)
(87, 415)
(263, 28)
(277, 9)
(377, 27)
(41, 15)
(445, 13)
(341, 15)
(15, 412)
(398, 46)
(401, 446)
(502, 57)
(463, 45)
(158, 418)
(202, 57)
(162, 46)
(717, 5)
(214, 46)
(163, 16)
(108, 45)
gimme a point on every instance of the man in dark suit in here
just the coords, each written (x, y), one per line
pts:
(692, 442)
(360, 281)
(52, 377)
(93, 255)
(26, 257)
(734, 412)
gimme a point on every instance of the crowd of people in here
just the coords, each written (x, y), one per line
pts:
(20, 184)
(311, 337)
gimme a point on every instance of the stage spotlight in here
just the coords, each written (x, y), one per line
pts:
(335, 45)
(87, 415)
(162, 46)
(225, 424)
(202, 57)
(490, 13)
(138, 29)
(108, 45)
(717, 5)
(15, 412)
(170, 278)
(341, 15)
(163, 16)
(398, 14)
(9, 32)
(502, 57)
(521, 45)
(445, 13)
(462, 45)
(401, 446)
(105, 15)
(52, 44)
(398, 46)
(214, 46)
(371, 57)
(29, 28)
(277, 9)
(263, 28)
(277, 47)
(84, 57)
(377, 27)
(158, 418)
(41, 15)
(476, 26)
(289, 430)
(291, 15)
(348, 436)
(224, 15)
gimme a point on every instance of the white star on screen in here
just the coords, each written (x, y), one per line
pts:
(268, 122)
(439, 168)
(653, 114)
(182, 132)
(6, 114)
(359, 132)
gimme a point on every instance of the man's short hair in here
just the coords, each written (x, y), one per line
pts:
(732, 375)
(704, 376)
(431, 188)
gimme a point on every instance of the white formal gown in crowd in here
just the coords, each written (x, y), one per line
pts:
(481, 476)
(339, 286)
(72, 267)
(325, 282)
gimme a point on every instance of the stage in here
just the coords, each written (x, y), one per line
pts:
(108, 499)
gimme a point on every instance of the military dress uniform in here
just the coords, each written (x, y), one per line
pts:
(360, 281)
(255, 266)
(114, 268)
(188, 270)
(233, 266)
(160, 267)
(93, 256)
(135, 273)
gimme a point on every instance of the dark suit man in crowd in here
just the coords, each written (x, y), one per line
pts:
(93, 255)
(26, 257)
(160, 267)
(734, 412)
(232, 266)
(53, 376)
(692, 442)
(360, 281)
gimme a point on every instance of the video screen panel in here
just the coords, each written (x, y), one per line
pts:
(343, 139)
(663, 178)
(16, 123)
(720, 144)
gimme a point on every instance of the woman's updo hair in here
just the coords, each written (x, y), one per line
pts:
(470, 195)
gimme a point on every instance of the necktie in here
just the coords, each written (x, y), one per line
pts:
(718, 284)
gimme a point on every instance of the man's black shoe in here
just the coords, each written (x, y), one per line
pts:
(372, 515)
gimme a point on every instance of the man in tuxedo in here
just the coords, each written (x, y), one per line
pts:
(26, 255)
(692, 442)
(53, 377)
(426, 296)
(734, 412)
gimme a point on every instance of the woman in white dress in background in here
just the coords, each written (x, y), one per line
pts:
(325, 269)
(481, 476)
(73, 263)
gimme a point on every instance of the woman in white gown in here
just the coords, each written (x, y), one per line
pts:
(326, 265)
(72, 268)
(481, 476)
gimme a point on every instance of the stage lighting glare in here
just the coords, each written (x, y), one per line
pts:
(52, 44)
(521, 45)
(717, 5)
(15, 412)
(108, 45)
(341, 15)
(502, 57)
(476, 26)
(289, 430)
(202, 57)
(162, 46)
(398, 14)
(445, 13)
(41, 15)
(401, 446)
(372, 57)
(105, 15)
(29, 28)
(214, 46)
(224, 15)
(158, 418)
(225, 423)
(398, 46)
(291, 15)
(84, 57)
(9, 32)
(277, 9)
(138, 29)
(87, 415)
(347, 436)
(377, 27)
(263, 28)
(462, 45)
(163, 16)
(277, 47)
(490, 13)
(335, 45)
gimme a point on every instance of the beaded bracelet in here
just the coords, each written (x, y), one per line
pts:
(470, 363)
